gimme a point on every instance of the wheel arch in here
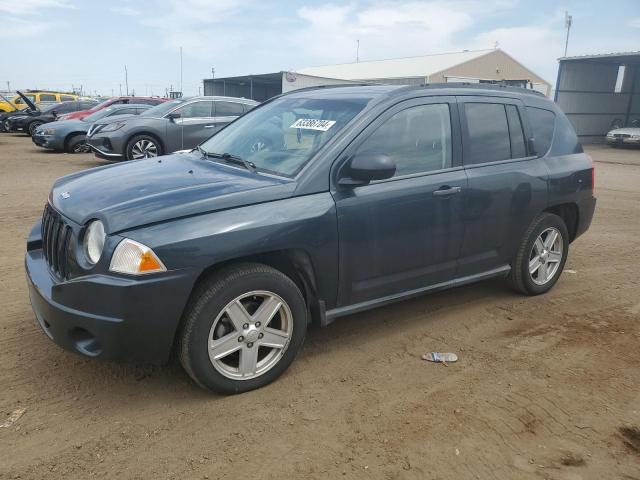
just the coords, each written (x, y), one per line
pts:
(294, 263)
(570, 215)
(69, 136)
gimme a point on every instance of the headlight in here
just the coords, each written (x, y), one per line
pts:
(94, 241)
(112, 127)
(635, 137)
(46, 131)
(135, 259)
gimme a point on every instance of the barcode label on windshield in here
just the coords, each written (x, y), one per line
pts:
(313, 124)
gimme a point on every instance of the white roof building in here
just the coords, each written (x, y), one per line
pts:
(475, 66)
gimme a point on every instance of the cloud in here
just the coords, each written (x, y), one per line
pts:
(634, 22)
(15, 27)
(390, 29)
(30, 7)
(126, 11)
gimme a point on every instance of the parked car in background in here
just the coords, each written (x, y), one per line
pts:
(113, 101)
(70, 135)
(37, 97)
(174, 125)
(625, 136)
(28, 122)
(317, 204)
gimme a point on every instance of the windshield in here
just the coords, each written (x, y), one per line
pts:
(282, 136)
(99, 114)
(162, 109)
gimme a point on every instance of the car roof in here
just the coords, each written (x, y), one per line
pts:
(368, 90)
(219, 98)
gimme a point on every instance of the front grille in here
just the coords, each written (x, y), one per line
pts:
(56, 234)
(621, 135)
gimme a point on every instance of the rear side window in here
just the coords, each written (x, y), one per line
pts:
(67, 107)
(44, 97)
(229, 109)
(196, 110)
(66, 98)
(518, 148)
(542, 122)
(488, 133)
(417, 139)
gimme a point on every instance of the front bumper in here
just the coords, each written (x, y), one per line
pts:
(107, 316)
(623, 141)
(47, 141)
(106, 147)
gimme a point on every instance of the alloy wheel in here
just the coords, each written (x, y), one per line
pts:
(546, 256)
(144, 149)
(249, 337)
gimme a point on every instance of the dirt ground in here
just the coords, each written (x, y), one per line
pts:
(546, 387)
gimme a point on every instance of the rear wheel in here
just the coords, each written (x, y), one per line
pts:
(143, 146)
(77, 144)
(242, 328)
(541, 256)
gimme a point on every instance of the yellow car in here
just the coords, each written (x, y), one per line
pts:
(39, 98)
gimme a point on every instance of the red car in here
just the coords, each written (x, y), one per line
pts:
(112, 101)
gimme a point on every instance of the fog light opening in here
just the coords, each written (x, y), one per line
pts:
(85, 342)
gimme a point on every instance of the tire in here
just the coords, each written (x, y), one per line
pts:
(6, 125)
(32, 128)
(76, 144)
(524, 276)
(147, 145)
(206, 322)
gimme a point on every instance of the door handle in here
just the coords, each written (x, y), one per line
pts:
(447, 191)
(209, 126)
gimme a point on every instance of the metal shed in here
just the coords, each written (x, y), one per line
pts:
(264, 86)
(599, 92)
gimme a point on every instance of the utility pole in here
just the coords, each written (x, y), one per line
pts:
(357, 51)
(568, 19)
(120, 89)
(8, 86)
(126, 79)
(181, 71)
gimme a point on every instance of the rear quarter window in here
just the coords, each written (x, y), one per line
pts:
(47, 98)
(542, 122)
(565, 140)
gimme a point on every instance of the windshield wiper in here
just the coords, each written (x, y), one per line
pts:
(227, 157)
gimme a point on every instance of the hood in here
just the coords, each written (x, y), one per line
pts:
(140, 192)
(65, 126)
(29, 103)
(626, 131)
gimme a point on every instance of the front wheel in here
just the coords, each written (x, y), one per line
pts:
(33, 126)
(77, 144)
(142, 146)
(541, 256)
(242, 329)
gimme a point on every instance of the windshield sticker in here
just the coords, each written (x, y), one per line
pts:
(313, 124)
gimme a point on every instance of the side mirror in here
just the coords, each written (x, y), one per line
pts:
(55, 113)
(172, 116)
(367, 166)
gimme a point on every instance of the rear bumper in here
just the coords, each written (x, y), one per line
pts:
(586, 208)
(109, 317)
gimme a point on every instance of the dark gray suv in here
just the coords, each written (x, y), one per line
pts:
(175, 125)
(314, 205)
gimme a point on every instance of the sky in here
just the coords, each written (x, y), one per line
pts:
(60, 44)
